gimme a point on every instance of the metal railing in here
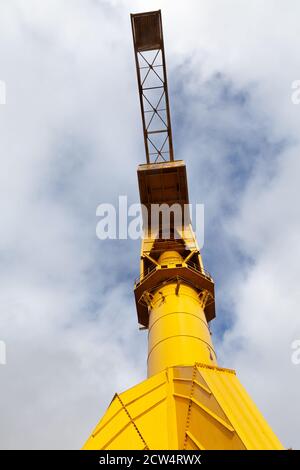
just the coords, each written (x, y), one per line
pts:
(147, 273)
(190, 265)
(200, 270)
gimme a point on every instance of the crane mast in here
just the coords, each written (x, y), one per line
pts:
(187, 401)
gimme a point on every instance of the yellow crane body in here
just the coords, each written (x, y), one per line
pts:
(187, 401)
(178, 330)
(184, 407)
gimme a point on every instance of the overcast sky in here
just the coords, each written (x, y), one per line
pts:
(71, 138)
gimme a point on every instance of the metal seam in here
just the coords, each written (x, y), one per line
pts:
(188, 417)
(175, 336)
(132, 421)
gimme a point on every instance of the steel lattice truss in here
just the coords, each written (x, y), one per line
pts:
(153, 88)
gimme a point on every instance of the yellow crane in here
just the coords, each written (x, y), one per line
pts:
(187, 401)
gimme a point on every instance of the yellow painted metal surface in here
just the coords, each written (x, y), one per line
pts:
(187, 402)
(178, 330)
(185, 407)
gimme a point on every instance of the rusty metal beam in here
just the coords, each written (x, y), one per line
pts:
(152, 84)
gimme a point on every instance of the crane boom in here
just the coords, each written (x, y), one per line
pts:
(153, 86)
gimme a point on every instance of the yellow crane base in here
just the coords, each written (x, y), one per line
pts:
(184, 407)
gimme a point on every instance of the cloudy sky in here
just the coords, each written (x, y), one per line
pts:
(71, 139)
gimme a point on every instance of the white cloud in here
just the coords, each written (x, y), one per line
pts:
(71, 138)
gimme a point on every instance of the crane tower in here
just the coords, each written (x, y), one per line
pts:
(187, 401)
